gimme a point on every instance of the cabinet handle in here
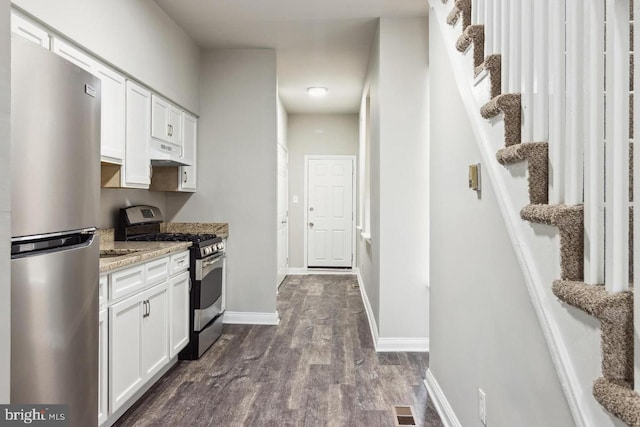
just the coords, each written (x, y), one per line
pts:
(170, 130)
(185, 177)
(149, 305)
(144, 309)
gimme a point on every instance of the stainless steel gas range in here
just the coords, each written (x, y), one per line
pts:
(142, 223)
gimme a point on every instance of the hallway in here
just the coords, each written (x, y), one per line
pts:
(318, 367)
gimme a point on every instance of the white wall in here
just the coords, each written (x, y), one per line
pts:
(237, 173)
(135, 36)
(398, 255)
(5, 203)
(368, 253)
(484, 330)
(309, 134)
(404, 209)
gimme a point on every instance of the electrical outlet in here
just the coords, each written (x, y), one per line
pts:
(482, 406)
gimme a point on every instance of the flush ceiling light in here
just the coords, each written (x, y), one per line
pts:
(317, 91)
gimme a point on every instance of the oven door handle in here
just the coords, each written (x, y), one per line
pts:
(210, 262)
(204, 267)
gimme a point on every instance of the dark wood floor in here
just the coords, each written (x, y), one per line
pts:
(318, 367)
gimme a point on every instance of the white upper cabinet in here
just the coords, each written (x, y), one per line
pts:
(113, 92)
(137, 166)
(73, 54)
(189, 141)
(29, 30)
(166, 121)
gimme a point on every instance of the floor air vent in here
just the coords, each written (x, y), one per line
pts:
(404, 416)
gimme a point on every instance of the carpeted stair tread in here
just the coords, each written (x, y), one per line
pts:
(509, 104)
(537, 156)
(460, 8)
(493, 65)
(619, 398)
(615, 312)
(473, 34)
(570, 223)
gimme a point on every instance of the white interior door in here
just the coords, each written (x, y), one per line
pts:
(283, 214)
(330, 212)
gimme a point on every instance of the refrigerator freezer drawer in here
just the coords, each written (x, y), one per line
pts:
(54, 334)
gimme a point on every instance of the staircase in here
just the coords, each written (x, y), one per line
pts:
(564, 94)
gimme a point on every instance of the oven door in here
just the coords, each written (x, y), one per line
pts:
(208, 297)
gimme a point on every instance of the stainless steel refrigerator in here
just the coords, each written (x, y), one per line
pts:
(55, 193)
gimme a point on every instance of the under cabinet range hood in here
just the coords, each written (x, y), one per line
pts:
(165, 154)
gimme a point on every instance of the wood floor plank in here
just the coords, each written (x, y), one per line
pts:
(318, 367)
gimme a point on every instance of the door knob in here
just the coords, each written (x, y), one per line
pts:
(310, 224)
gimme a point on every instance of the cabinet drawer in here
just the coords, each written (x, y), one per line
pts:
(126, 282)
(157, 271)
(179, 263)
(102, 289)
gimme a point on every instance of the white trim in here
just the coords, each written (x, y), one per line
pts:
(447, 416)
(354, 169)
(373, 326)
(576, 399)
(248, 318)
(394, 345)
(388, 344)
(296, 271)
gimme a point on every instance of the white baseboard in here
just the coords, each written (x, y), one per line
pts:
(388, 344)
(296, 271)
(373, 326)
(248, 318)
(447, 416)
(420, 345)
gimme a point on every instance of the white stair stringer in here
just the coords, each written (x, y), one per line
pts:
(586, 412)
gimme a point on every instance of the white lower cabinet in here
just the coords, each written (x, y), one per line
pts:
(103, 372)
(144, 327)
(155, 330)
(179, 328)
(125, 350)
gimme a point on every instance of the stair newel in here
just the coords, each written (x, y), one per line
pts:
(557, 102)
(514, 51)
(617, 146)
(540, 71)
(505, 43)
(526, 83)
(594, 143)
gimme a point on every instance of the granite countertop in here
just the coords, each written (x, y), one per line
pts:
(124, 254)
(219, 228)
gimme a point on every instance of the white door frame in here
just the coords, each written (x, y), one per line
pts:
(353, 201)
(286, 150)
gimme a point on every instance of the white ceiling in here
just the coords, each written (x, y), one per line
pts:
(319, 42)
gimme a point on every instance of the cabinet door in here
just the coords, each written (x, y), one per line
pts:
(189, 143)
(179, 313)
(126, 375)
(137, 165)
(114, 92)
(103, 371)
(160, 119)
(29, 30)
(73, 55)
(155, 330)
(175, 125)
